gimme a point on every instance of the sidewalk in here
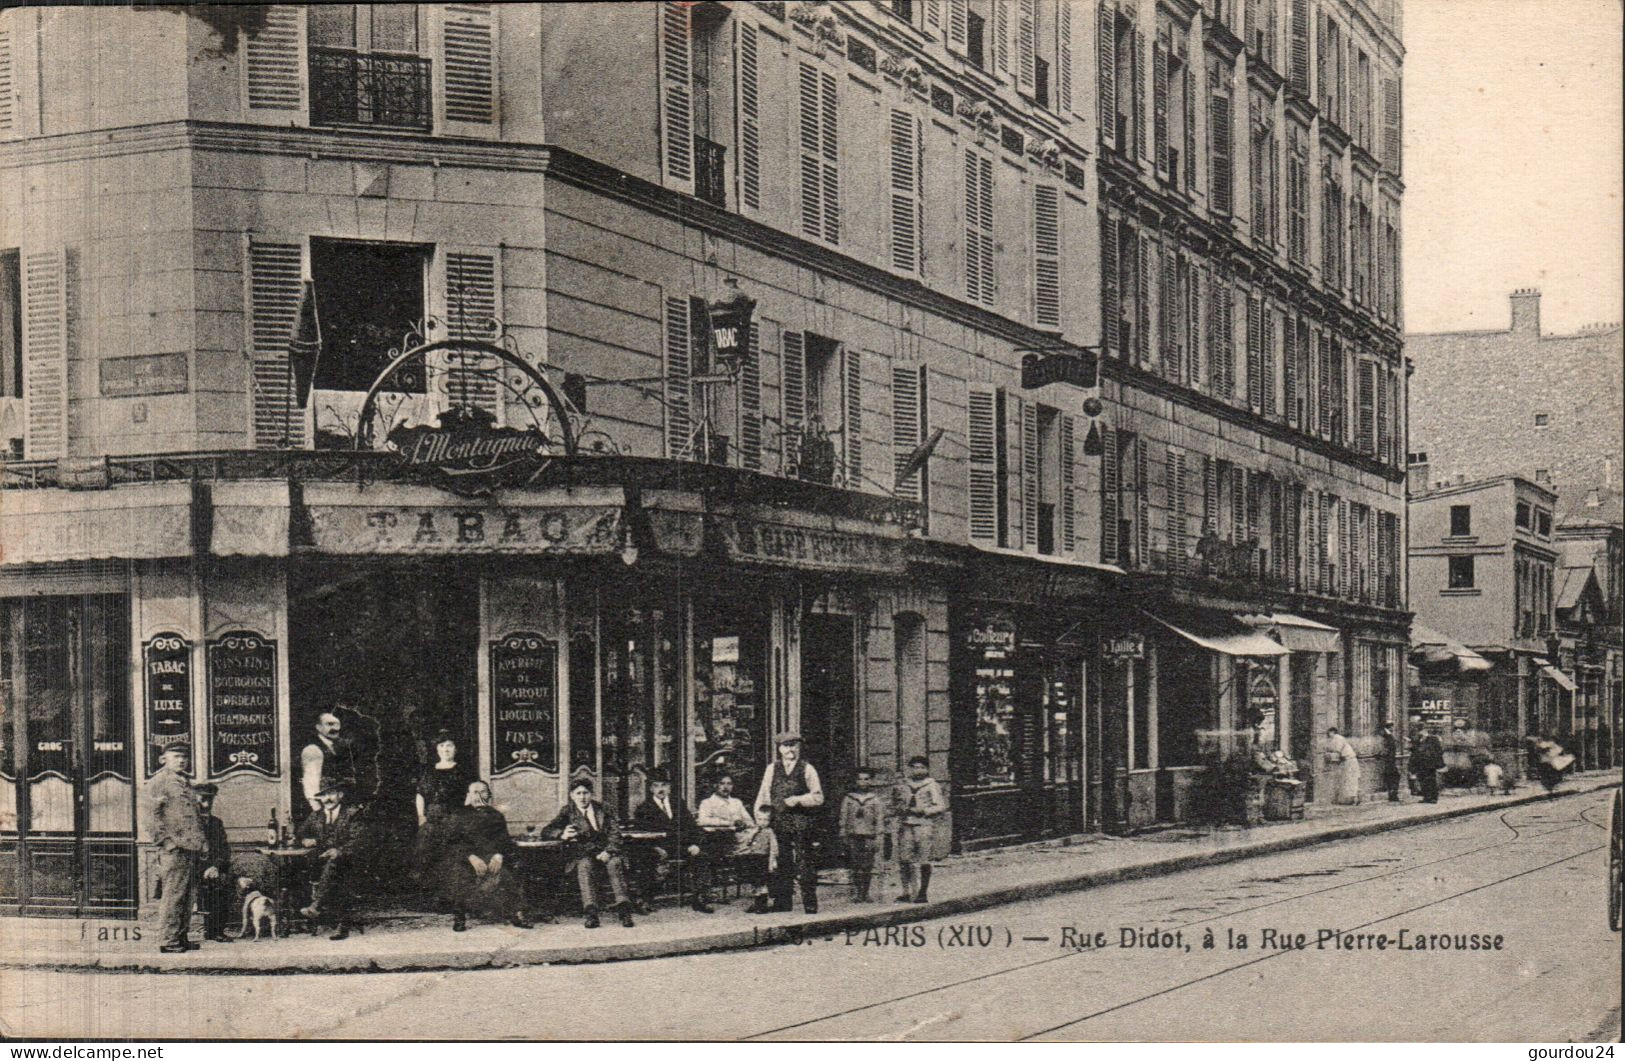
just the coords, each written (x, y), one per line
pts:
(962, 883)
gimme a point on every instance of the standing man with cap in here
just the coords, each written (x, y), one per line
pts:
(214, 889)
(179, 831)
(791, 788)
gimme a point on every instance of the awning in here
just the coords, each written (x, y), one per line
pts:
(1217, 631)
(1434, 647)
(145, 521)
(1560, 678)
(1297, 633)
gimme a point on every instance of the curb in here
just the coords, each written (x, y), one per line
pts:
(827, 927)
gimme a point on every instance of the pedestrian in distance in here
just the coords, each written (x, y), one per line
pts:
(863, 815)
(1427, 761)
(1390, 761)
(921, 806)
(181, 835)
(1345, 764)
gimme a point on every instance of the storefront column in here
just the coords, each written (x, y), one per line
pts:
(1152, 722)
(1283, 705)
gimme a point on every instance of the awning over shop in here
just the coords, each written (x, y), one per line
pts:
(1559, 677)
(1216, 631)
(1297, 633)
(145, 521)
(1433, 647)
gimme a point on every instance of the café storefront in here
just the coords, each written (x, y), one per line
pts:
(611, 616)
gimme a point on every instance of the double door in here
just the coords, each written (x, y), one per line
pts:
(67, 778)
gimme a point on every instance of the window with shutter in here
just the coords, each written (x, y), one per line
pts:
(472, 289)
(830, 152)
(1221, 174)
(852, 417)
(750, 117)
(750, 401)
(1106, 71)
(979, 277)
(679, 367)
(677, 94)
(1255, 354)
(1289, 368)
(1027, 415)
(1063, 58)
(1069, 483)
(1300, 46)
(793, 371)
(1110, 495)
(1142, 299)
(1344, 582)
(1366, 408)
(274, 64)
(958, 23)
(1178, 513)
(819, 139)
(1188, 123)
(1269, 354)
(1026, 45)
(1046, 256)
(1137, 72)
(1159, 103)
(470, 64)
(1111, 310)
(1167, 304)
(905, 192)
(8, 99)
(1393, 140)
(982, 465)
(49, 330)
(933, 17)
(1211, 518)
(907, 426)
(1142, 505)
(275, 280)
(1194, 281)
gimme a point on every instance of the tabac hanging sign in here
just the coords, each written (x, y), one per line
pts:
(500, 422)
(730, 328)
(524, 703)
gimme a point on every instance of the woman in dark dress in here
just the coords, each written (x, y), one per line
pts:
(475, 873)
(442, 786)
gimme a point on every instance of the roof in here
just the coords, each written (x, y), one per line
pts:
(1571, 583)
(1468, 486)
(1434, 647)
(1600, 506)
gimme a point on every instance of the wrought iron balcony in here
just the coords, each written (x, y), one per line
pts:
(710, 171)
(352, 88)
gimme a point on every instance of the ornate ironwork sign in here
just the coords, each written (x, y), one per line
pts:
(497, 421)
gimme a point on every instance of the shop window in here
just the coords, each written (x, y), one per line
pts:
(641, 693)
(369, 296)
(731, 710)
(1461, 521)
(994, 646)
(1461, 572)
(11, 325)
(1521, 515)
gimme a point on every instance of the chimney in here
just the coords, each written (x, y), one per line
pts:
(1526, 310)
(1417, 474)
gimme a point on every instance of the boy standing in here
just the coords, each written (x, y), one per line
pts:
(921, 803)
(861, 815)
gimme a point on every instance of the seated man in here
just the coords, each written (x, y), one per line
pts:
(335, 833)
(476, 849)
(592, 850)
(660, 813)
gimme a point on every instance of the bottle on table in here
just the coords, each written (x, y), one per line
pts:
(273, 832)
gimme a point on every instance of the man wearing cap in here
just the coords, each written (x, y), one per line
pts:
(214, 890)
(178, 830)
(791, 788)
(684, 839)
(335, 834)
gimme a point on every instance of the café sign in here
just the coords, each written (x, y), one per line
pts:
(808, 548)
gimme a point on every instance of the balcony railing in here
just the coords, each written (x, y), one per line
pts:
(710, 171)
(352, 88)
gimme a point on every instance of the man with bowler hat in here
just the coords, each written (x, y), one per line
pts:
(791, 788)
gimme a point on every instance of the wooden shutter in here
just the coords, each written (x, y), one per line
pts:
(979, 279)
(1255, 354)
(1188, 86)
(275, 280)
(852, 416)
(933, 17)
(750, 117)
(679, 366)
(829, 148)
(793, 373)
(274, 67)
(1344, 550)
(1046, 256)
(1268, 352)
(1110, 495)
(812, 169)
(1174, 472)
(1026, 46)
(750, 401)
(1142, 504)
(471, 289)
(1111, 339)
(1142, 299)
(1193, 277)
(1138, 72)
(1210, 495)
(1067, 429)
(8, 82)
(1300, 46)
(905, 183)
(1384, 431)
(1106, 72)
(1159, 102)
(49, 295)
(676, 95)
(1001, 38)
(1366, 399)
(1289, 369)
(1219, 136)
(907, 426)
(958, 25)
(1167, 304)
(1063, 58)
(1393, 141)
(982, 464)
(1027, 411)
(469, 62)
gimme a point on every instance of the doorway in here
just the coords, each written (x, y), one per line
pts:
(67, 765)
(828, 702)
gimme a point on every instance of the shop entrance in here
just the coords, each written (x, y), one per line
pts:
(828, 703)
(67, 777)
(394, 654)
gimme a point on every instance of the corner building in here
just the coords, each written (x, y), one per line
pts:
(1064, 605)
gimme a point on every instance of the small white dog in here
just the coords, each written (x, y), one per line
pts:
(259, 909)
